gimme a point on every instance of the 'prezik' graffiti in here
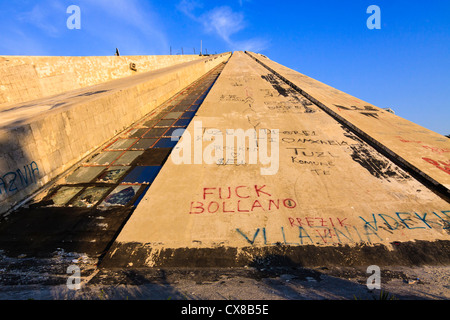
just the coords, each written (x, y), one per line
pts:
(338, 230)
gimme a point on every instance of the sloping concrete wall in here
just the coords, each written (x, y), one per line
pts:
(24, 78)
(420, 150)
(41, 139)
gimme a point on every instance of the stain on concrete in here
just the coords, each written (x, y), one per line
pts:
(276, 84)
(376, 164)
(91, 93)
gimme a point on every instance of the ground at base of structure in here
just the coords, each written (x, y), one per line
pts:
(251, 283)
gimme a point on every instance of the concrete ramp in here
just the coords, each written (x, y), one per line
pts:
(265, 174)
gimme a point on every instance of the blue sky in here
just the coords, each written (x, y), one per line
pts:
(405, 65)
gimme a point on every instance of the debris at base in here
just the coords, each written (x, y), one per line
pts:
(412, 281)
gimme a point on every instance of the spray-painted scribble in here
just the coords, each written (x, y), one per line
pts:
(19, 179)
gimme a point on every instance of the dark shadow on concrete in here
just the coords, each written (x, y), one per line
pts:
(136, 284)
(289, 280)
(40, 231)
(260, 281)
(306, 268)
(414, 253)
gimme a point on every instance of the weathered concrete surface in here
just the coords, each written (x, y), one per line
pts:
(25, 78)
(333, 200)
(41, 139)
(423, 151)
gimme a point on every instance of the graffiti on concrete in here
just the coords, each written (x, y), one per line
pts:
(431, 148)
(239, 199)
(314, 141)
(442, 165)
(337, 230)
(367, 111)
(19, 179)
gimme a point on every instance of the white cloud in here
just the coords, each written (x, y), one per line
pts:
(131, 22)
(188, 7)
(225, 23)
(44, 17)
(241, 2)
(132, 25)
(254, 45)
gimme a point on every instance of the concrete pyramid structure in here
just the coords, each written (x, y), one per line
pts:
(353, 183)
(225, 160)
